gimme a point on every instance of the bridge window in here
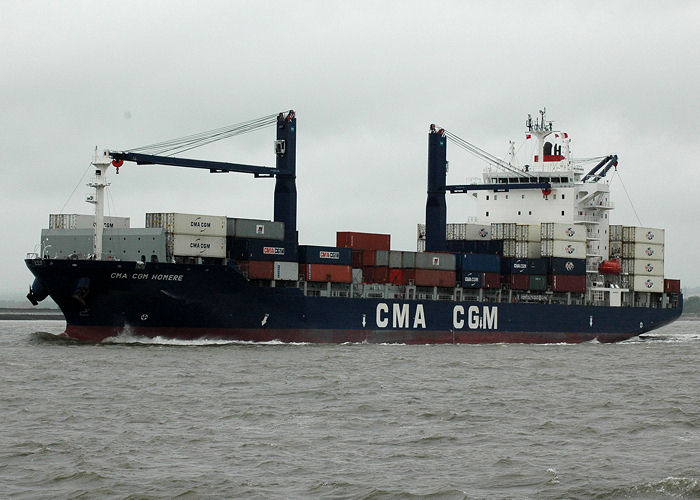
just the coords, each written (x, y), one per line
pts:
(487, 214)
(562, 213)
(530, 212)
(518, 212)
(487, 197)
(563, 196)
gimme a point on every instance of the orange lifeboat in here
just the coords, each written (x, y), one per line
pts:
(611, 266)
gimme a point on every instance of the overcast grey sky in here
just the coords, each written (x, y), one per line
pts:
(366, 79)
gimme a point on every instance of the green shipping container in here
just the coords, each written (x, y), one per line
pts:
(538, 282)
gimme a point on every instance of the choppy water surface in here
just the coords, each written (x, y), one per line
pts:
(168, 419)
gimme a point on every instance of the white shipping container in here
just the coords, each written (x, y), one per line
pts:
(615, 249)
(615, 232)
(648, 284)
(643, 267)
(534, 232)
(560, 248)
(634, 234)
(503, 230)
(534, 249)
(464, 231)
(420, 247)
(642, 251)
(194, 224)
(564, 232)
(509, 248)
(286, 271)
(421, 232)
(190, 245)
(81, 221)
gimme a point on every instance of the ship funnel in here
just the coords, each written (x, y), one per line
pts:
(436, 207)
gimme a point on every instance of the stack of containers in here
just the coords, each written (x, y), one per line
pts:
(191, 235)
(466, 238)
(432, 269)
(258, 248)
(325, 264)
(643, 258)
(369, 252)
(506, 232)
(565, 246)
(478, 270)
(524, 274)
(615, 242)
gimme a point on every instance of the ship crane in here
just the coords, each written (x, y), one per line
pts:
(285, 199)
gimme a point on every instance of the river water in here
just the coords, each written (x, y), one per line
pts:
(164, 419)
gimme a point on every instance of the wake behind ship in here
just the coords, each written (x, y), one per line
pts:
(539, 262)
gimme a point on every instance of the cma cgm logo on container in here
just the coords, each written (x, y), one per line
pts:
(650, 251)
(570, 232)
(436, 261)
(259, 229)
(199, 244)
(648, 283)
(650, 235)
(570, 249)
(273, 251)
(569, 266)
(324, 254)
(200, 223)
(649, 268)
(483, 232)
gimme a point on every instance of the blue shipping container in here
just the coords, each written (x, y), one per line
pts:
(486, 263)
(524, 266)
(470, 279)
(309, 254)
(563, 265)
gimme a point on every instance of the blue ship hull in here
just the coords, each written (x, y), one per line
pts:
(102, 299)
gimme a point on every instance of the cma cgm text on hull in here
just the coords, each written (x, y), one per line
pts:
(538, 262)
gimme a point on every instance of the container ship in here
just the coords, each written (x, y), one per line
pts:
(539, 261)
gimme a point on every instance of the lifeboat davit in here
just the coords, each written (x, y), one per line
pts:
(611, 266)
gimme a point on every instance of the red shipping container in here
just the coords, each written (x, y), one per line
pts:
(396, 276)
(672, 286)
(431, 277)
(257, 270)
(517, 281)
(491, 280)
(357, 259)
(369, 257)
(363, 241)
(326, 272)
(373, 274)
(409, 276)
(567, 283)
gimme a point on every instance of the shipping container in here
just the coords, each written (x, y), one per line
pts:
(465, 246)
(516, 281)
(648, 284)
(491, 280)
(420, 245)
(633, 234)
(503, 230)
(382, 258)
(643, 267)
(561, 248)
(470, 279)
(80, 221)
(408, 260)
(286, 271)
(479, 262)
(528, 249)
(534, 233)
(642, 251)
(538, 282)
(509, 248)
(434, 277)
(672, 286)
(257, 269)
(615, 232)
(375, 274)
(524, 266)
(465, 231)
(357, 276)
(267, 250)
(567, 283)
(396, 277)
(194, 224)
(363, 241)
(395, 259)
(564, 232)
(615, 250)
(421, 232)
(191, 245)
(563, 265)
(438, 261)
(255, 229)
(326, 272)
(311, 254)
(357, 258)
